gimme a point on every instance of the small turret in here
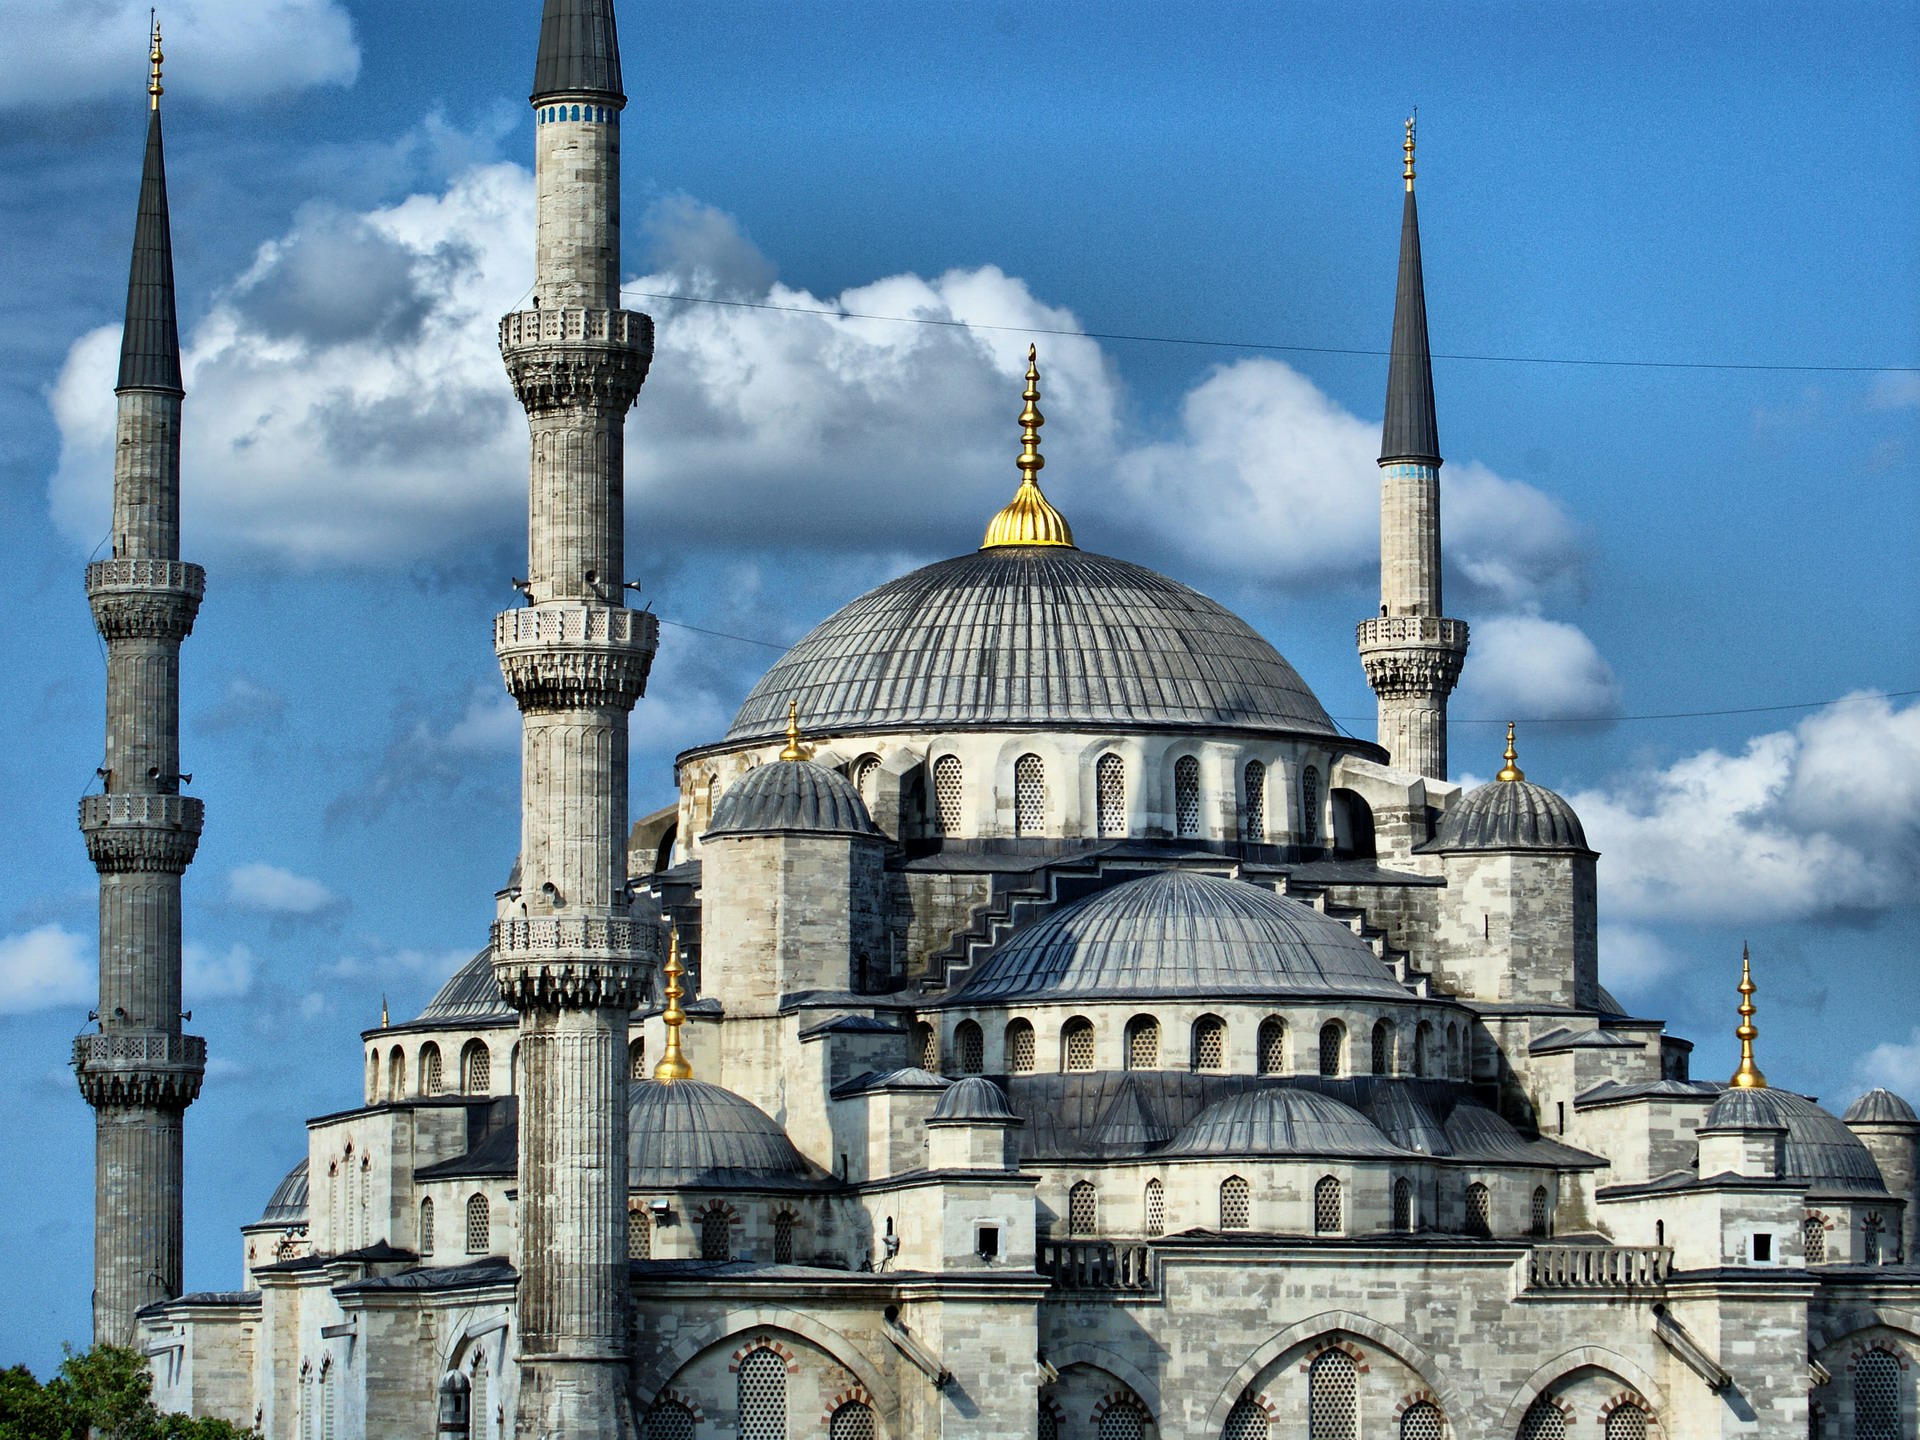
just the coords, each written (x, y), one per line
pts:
(1888, 1127)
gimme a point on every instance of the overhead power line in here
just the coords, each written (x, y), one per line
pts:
(1266, 345)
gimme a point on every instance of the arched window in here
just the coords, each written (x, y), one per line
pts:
(1870, 1230)
(1876, 1396)
(1403, 1205)
(1076, 1044)
(1236, 1203)
(1479, 1211)
(430, 1081)
(1122, 1421)
(864, 771)
(1456, 1053)
(1246, 1421)
(479, 1225)
(639, 1233)
(373, 1077)
(784, 1225)
(926, 1042)
(1029, 795)
(1813, 1240)
(1537, 1217)
(852, 1421)
(476, 1068)
(456, 1413)
(1382, 1047)
(716, 1234)
(670, 1420)
(1110, 777)
(946, 795)
(1310, 806)
(1209, 1043)
(971, 1044)
(1333, 1397)
(1256, 811)
(1020, 1047)
(1326, 1206)
(396, 1074)
(1082, 1209)
(1423, 1049)
(482, 1404)
(1543, 1421)
(637, 1058)
(1273, 1046)
(713, 795)
(1626, 1421)
(1143, 1043)
(763, 1396)
(1333, 1046)
(426, 1228)
(1156, 1208)
(1186, 797)
(1049, 1422)
(327, 1388)
(1421, 1421)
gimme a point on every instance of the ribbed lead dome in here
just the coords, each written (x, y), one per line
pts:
(471, 993)
(687, 1132)
(1281, 1121)
(788, 796)
(1880, 1107)
(1510, 815)
(1031, 637)
(1181, 934)
(288, 1203)
(1820, 1151)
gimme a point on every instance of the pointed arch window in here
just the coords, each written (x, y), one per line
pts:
(639, 1234)
(1383, 1047)
(1083, 1215)
(1273, 1046)
(1539, 1220)
(637, 1058)
(865, 769)
(1403, 1205)
(1876, 1396)
(1076, 1044)
(1543, 1421)
(946, 795)
(479, 1225)
(927, 1042)
(1333, 1048)
(1143, 1043)
(852, 1421)
(1246, 1421)
(763, 1396)
(1186, 797)
(670, 1420)
(1236, 1203)
(716, 1234)
(1422, 1421)
(1333, 1397)
(1156, 1208)
(426, 1228)
(1122, 1421)
(784, 1225)
(1626, 1421)
(1209, 1043)
(1029, 795)
(430, 1077)
(1326, 1206)
(373, 1077)
(1310, 806)
(1813, 1240)
(1110, 777)
(397, 1074)
(1020, 1047)
(971, 1043)
(476, 1068)
(1423, 1049)
(1256, 811)
(1479, 1211)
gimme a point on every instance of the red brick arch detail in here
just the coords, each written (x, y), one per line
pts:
(1826, 1220)
(1418, 1397)
(1260, 1402)
(678, 1397)
(720, 1207)
(1564, 1406)
(1625, 1397)
(1053, 1407)
(1348, 1348)
(763, 1342)
(1897, 1351)
(852, 1395)
(1116, 1399)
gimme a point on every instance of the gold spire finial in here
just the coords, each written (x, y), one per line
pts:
(1407, 174)
(156, 58)
(383, 1012)
(1028, 519)
(1748, 1076)
(1511, 770)
(795, 750)
(674, 1064)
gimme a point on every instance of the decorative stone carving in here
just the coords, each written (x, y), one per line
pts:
(148, 1068)
(145, 599)
(570, 359)
(605, 983)
(575, 657)
(133, 834)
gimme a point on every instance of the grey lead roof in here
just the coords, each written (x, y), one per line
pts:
(288, 1203)
(687, 1132)
(1281, 1121)
(789, 796)
(1880, 1107)
(1031, 637)
(1509, 815)
(974, 1098)
(1820, 1150)
(579, 50)
(471, 993)
(150, 343)
(1181, 934)
(1410, 432)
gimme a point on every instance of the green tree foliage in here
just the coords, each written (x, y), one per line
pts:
(105, 1393)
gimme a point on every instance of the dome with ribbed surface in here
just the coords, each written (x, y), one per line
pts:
(1277, 1120)
(1182, 935)
(791, 795)
(687, 1132)
(471, 993)
(1820, 1150)
(975, 1098)
(1031, 637)
(1880, 1107)
(1510, 815)
(288, 1203)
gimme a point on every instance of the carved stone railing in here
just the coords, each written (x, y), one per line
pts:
(610, 625)
(564, 657)
(568, 326)
(569, 359)
(166, 812)
(1598, 1267)
(143, 1047)
(132, 833)
(1099, 1266)
(147, 575)
(143, 1067)
(1413, 630)
(562, 936)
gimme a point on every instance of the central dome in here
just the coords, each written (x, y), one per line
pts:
(1031, 637)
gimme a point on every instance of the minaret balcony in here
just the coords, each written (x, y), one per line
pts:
(574, 962)
(572, 656)
(140, 1067)
(569, 358)
(131, 832)
(145, 599)
(1394, 630)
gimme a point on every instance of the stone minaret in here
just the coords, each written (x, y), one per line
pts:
(1412, 655)
(139, 1073)
(573, 963)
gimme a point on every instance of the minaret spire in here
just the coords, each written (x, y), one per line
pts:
(1748, 1076)
(1029, 518)
(150, 343)
(1411, 652)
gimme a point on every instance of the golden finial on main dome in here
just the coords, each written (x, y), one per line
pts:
(1407, 174)
(795, 750)
(674, 1064)
(1511, 770)
(1748, 1076)
(154, 88)
(1028, 519)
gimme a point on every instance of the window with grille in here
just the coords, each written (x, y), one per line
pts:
(637, 1058)
(864, 771)
(1422, 1046)
(1876, 1396)
(639, 1234)
(1186, 796)
(479, 1225)
(1543, 1421)
(477, 1063)
(852, 1421)
(1156, 1208)
(1082, 1210)
(426, 1228)
(1020, 1047)
(1627, 1422)
(1403, 1205)
(713, 794)
(670, 1420)
(1333, 1397)
(1143, 1043)
(430, 1070)
(1029, 795)
(1813, 1240)
(716, 1235)
(946, 795)
(1326, 1206)
(1125, 1421)
(1236, 1203)
(1421, 1421)
(286, 1249)
(763, 1396)
(1049, 1423)
(1111, 781)
(1273, 1047)
(1076, 1043)
(1479, 1211)
(1382, 1048)
(1870, 1237)
(1256, 780)
(972, 1045)
(481, 1402)
(783, 1228)
(1246, 1421)
(1209, 1043)
(1333, 1041)
(1310, 806)
(1537, 1216)
(929, 1047)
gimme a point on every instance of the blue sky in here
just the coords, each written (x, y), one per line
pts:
(1649, 182)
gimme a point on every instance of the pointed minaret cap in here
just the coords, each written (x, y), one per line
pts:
(1511, 770)
(1028, 518)
(150, 342)
(1748, 1076)
(579, 51)
(674, 1064)
(1410, 434)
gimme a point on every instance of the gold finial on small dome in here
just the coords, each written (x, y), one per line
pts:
(156, 58)
(1748, 1076)
(1407, 174)
(1028, 519)
(795, 750)
(674, 1064)
(1511, 770)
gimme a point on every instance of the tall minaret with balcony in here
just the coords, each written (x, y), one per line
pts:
(573, 963)
(138, 1072)
(1411, 653)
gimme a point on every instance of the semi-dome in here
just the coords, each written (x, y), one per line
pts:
(470, 994)
(974, 1099)
(687, 1132)
(1510, 813)
(288, 1203)
(789, 796)
(1179, 934)
(1820, 1151)
(1278, 1120)
(1032, 637)
(1880, 1107)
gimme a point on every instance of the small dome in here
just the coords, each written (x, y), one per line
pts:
(1820, 1151)
(469, 994)
(975, 1098)
(1178, 934)
(1280, 1121)
(288, 1203)
(687, 1132)
(1880, 1107)
(1510, 815)
(788, 796)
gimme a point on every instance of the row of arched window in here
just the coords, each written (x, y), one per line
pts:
(475, 1075)
(479, 1232)
(1236, 1208)
(350, 1198)
(760, 1395)
(588, 114)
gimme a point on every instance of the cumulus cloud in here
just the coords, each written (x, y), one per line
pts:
(1819, 820)
(260, 886)
(1523, 666)
(1894, 1064)
(216, 49)
(45, 967)
(1633, 961)
(209, 974)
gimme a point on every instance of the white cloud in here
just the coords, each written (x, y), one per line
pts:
(1522, 666)
(491, 723)
(379, 962)
(1895, 392)
(208, 974)
(1892, 1064)
(46, 967)
(260, 886)
(1822, 819)
(1633, 961)
(65, 50)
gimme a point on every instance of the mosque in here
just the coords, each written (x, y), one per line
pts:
(1033, 1019)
